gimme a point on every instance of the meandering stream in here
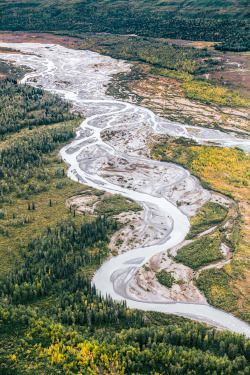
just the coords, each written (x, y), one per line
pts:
(81, 77)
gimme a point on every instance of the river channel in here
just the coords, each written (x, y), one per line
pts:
(82, 78)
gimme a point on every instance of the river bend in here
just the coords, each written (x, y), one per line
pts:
(82, 78)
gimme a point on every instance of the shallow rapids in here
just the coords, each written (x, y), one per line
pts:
(81, 77)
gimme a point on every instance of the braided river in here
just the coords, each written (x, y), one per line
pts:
(81, 77)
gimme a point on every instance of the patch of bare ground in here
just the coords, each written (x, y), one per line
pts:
(131, 235)
(165, 96)
(145, 285)
(183, 289)
(45, 38)
(82, 203)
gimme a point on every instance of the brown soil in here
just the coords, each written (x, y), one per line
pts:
(21, 37)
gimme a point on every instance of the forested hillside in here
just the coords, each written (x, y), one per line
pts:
(196, 20)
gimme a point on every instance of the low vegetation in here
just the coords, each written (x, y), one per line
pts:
(165, 278)
(116, 204)
(204, 91)
(223, 169)
(200, 252)
(216, 286)
(210, 214)
(209, 93)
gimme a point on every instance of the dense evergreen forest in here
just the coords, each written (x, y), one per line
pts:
(51, 319)
(199, 20)
(23, 106)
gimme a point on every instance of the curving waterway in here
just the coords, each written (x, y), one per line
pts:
(81, 77)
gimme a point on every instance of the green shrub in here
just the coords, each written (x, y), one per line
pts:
(218, 291)
(116, 204)
(165, 278)
(200, 252)
(210, 214)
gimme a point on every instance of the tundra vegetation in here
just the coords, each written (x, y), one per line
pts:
(51, 319)
(209, 215)
(200, 252)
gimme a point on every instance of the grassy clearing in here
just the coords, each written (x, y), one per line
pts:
(210, 214)
(200, 252)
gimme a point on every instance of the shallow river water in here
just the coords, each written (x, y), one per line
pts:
(81, 77)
